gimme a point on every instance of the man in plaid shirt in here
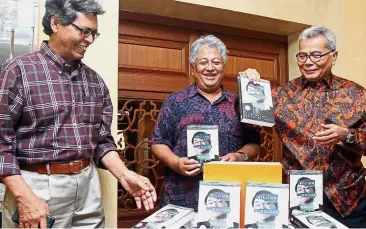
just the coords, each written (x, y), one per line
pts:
(55, 118)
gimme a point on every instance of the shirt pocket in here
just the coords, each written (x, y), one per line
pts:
(92, 108)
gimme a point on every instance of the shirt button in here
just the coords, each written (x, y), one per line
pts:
(79, 147)
(60, 72)
(74, 124)
(317, 104)
(73, 102)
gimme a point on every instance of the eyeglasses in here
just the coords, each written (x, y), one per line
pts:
(302, 57)
(86, 32)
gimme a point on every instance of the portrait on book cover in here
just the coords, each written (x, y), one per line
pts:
(320, 221)
(218, 209)
(304, 194)
(158, 220)
(263, 211)
(203, 144)
(257, 103)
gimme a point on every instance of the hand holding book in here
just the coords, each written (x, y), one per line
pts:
(252, 75)
(187, 167)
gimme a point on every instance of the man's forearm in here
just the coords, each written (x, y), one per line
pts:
(165, 154)
(17, 186)
(115, 165)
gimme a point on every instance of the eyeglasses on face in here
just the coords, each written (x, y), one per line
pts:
(87, 32)
(302, 57)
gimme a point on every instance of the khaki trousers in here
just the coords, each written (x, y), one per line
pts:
(74, 200)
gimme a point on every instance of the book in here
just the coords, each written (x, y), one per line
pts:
(255, 100)
(203, 143)
(218, 205)
(192, 223)
(170, 216)
(306, 191)
(268, 172)
(266, 205)
(315, 219)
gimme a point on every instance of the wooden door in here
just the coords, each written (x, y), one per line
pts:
(153, 63)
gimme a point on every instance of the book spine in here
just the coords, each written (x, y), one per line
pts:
(297, 223)
(240, 105)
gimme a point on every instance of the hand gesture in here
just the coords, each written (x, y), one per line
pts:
(252, 75)
(32, 212)
(331, 135)
(140, 188)
(187, 167)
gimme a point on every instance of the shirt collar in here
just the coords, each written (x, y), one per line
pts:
(193, 91)
(327, 81)
(58, 62)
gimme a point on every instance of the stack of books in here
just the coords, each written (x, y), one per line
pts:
(170, 216)
(218, 205)
(266, 205)
(306, 201)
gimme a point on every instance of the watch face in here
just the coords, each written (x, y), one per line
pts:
(244, 156)
(350, 138)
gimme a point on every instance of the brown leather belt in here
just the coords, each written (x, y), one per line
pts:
(71, 167)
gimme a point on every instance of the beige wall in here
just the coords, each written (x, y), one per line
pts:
(102, 56)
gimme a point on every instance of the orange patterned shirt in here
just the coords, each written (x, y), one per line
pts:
(300, 108)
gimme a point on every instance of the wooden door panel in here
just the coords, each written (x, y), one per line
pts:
(154, 31)
(153, 58)
(240, 60)
(144, 81)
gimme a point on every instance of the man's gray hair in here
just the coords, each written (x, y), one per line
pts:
(210, 41)
(65, 11)
(317, 30)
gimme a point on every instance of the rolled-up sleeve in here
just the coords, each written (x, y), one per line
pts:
(11, 102)
(166, 125)
(106, 142)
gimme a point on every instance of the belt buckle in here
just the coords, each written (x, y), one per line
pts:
(48, 169)
(80, 166)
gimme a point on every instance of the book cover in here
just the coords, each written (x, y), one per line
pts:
(306, 191)
(192, 223)
(266, 205)
(169, 216)
(203, 142)
(268, 172)
(218, 205)
(255, 102)
(316, 219)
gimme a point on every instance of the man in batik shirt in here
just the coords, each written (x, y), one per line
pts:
(321, 119)
(204, 103)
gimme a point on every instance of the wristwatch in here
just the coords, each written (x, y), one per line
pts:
(244, 156)
(350, 138)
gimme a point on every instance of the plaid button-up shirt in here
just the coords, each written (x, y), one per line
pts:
(300, 108)
(48, 114)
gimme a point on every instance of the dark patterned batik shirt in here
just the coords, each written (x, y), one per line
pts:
(189, 107)
(300, 109)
